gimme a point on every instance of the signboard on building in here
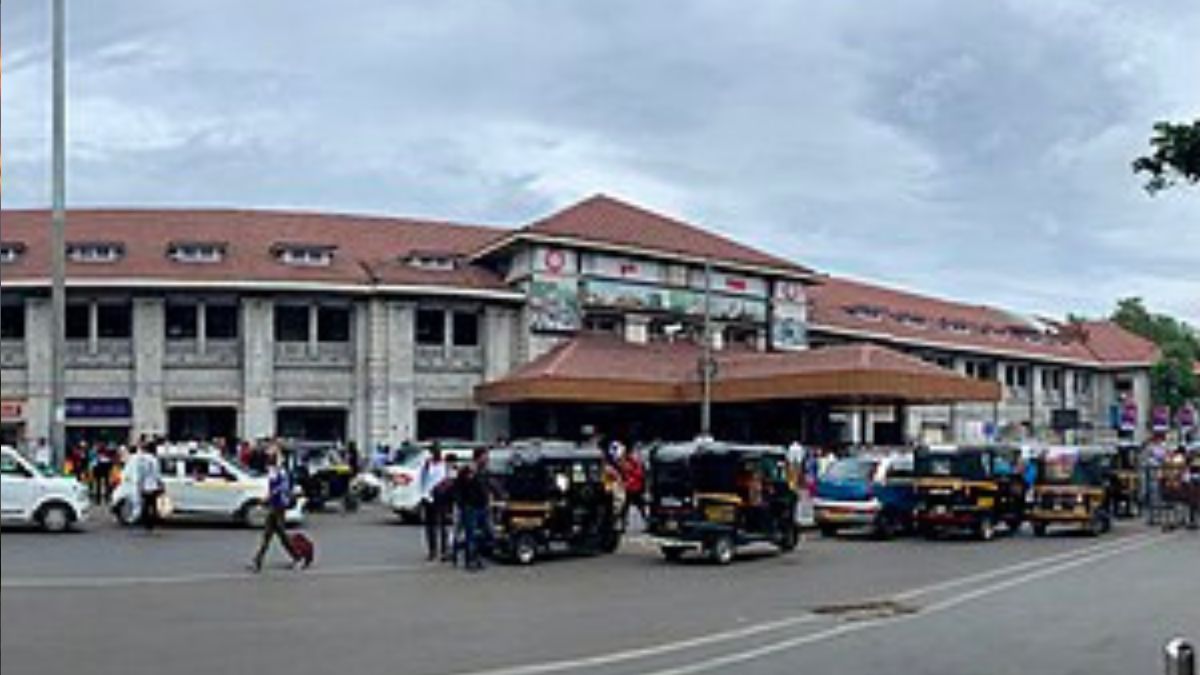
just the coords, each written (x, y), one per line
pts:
(1064, 420)
(554, 304)
(616, 267)
(789, 320)
(1128, 416)
(634, 297)
(99, 408)
(1187, 418)
(730, 284)
(555, 261)
(12, 411)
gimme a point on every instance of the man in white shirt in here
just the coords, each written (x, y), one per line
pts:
(150, 485)
(434, 505)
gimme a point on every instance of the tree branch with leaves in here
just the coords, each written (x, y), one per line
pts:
(1176, 156)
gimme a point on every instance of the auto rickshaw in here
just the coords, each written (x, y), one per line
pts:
(968, 488)
(1072, 488)
(1125, 482)
(714, 497)
(550, 495)
(322, 471)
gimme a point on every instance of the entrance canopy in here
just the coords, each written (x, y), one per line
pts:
(603, 369)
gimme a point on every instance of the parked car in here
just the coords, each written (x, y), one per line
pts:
(870, 491)
(402, 475)
(29, 495)
(201, 483)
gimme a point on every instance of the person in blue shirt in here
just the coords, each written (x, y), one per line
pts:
(279, 500)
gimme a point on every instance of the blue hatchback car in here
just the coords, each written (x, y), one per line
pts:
(874, 492)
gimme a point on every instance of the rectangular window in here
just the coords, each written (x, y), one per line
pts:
(114, 322)
(12, 321)
(431, 327)
(291, 323)
(181, 321)
(333, 324)
(79, 321)
(466, 329)
(221, 322)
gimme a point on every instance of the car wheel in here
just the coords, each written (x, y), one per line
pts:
(524, 549)
(123, 510)
(986, 529)
(673, 553)
(55, 518)
(828, 531)
(721, 550)
(1039, 529)
(885, 527)
(254, 515)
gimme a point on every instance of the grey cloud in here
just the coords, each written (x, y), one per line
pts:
(978, 150)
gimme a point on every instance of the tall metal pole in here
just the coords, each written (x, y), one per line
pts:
(58, 296)
(706, 367)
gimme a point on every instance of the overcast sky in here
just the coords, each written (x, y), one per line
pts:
(976, 150)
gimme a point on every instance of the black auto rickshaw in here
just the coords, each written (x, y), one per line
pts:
(713, 497)
(1125, 481)
(1071, 488)
(968, 488)
(322, 472)
(551, 495)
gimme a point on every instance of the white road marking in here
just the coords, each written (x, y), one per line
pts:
(1089, 554)
(937, 608)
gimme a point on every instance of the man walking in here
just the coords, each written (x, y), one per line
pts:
(434, 507)
(150, 485)
(470, 487)
(279, 499)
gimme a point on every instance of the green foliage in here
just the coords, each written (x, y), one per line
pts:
(1176, 156)
(1172, 379)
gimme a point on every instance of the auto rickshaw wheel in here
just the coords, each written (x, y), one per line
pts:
(524, 549)
(885, 526)
(721, 550)
(986, 529)
(790, 539)
(1039, 529)
(610, 542)
(1096, 526)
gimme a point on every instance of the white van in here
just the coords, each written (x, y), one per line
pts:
(201, 483)
(31, 496)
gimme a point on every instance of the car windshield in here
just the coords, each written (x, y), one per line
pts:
(407, 457)
(851, 470)
(970, 466)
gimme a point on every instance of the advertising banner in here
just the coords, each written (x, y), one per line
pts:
(731, 284)
(99, 408)
(1187, 417)
(12, 411)
(616, 267)
(554, 304)
(1160, 419)
(638, 297)
(1129, 416)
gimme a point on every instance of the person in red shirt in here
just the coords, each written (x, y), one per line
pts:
(633, 473)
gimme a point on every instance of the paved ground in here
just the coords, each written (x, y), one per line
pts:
(114, 601)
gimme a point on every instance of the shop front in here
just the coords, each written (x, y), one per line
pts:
(12, 422)
(312, 424)
(98, 420)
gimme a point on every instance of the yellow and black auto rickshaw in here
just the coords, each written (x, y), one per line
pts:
(550, 496)
(1125, 481)
(1071, 488)
(714, 497)
(972, 489)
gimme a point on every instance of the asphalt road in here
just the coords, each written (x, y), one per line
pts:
(115, 601)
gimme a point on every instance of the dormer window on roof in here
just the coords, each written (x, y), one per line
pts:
(954, 326)
(196, 252)
(912, 320)
(441, 262)
(95, 252)
(10, 251)
(304, 255)
(868, 312)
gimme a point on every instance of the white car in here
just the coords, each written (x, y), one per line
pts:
(200, 483)
(402, 478)
(31, 496)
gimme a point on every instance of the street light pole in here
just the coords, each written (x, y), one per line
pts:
(58, 296)
(706, 367)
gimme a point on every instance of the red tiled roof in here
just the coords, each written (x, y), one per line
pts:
(604, 220)
(1113, 344)
(366, 249)
(842, 305)
(593, 367)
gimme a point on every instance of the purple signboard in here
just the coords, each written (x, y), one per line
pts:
(1187, 417)
(1129, 416)
(99, 408)
(1160, 418)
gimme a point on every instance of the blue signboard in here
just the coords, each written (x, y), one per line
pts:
(99, 408)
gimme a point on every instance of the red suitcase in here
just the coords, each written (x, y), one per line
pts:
(303, 547)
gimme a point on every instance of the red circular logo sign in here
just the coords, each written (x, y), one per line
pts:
(555, 260)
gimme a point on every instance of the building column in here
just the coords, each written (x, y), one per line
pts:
(499, 335)
(366, 361)
(38, 341)
(258, 368)
(149, 335)
(392, 377)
